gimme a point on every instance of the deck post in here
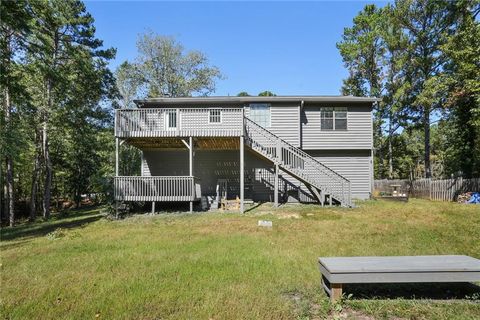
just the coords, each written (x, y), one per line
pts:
(275, 195)
(116, 156)
(153, 207)
(190, 158)
(242, 183)
(116, 172)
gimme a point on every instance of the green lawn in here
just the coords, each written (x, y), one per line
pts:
(222, 266)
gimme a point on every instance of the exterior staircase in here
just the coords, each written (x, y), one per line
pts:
(321, 181)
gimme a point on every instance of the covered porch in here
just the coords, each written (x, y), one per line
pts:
(172, 171)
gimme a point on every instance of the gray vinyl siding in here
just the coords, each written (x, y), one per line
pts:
(211, 165)
(301, 126)
(357, 136)
(353, 165)
(284, 121)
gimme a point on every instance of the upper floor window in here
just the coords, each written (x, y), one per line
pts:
(260, 114)
(215, 116)
(333, 118)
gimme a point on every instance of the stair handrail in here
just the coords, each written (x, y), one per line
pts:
(328, 171)
(303, 153)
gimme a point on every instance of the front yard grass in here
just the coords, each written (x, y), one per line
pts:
(223, 266)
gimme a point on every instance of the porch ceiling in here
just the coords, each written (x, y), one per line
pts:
(216, 143)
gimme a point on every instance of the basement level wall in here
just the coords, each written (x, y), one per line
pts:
(355, 165)
(211, 165)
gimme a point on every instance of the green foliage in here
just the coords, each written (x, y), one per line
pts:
(458, 87)
(243, 94)
(164, 68)
(266, 94)
(362, 51)
(421, 58)
(129, 84)
(59, 84)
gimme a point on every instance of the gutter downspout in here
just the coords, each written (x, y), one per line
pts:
(300, 129)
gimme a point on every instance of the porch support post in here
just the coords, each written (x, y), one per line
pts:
(190, 158)
(242, 183)
(116, 174)
(153, 207)
(275, 195)
(116, 156)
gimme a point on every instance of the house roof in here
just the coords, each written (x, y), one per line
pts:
(252, 99)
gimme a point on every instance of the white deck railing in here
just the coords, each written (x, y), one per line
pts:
(179, 122)
(159, 188)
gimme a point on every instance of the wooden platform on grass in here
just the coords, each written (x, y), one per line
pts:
(337, 271)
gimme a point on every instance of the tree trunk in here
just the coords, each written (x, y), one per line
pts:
(5, 202)
(390, 148)
(48, 169)
(380, 152)
(426, 127)
(36, 169)
(46, 153)
(9, 196)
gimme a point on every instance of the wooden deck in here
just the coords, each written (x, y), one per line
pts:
(156, 188)
(179, 122)
(402, 269)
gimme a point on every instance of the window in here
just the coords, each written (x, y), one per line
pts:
(333, 118)
(340, 118)
(326, 118)
(260, 114)
(215, 116)
(171, 119)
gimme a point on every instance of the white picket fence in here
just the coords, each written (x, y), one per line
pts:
(441, 190)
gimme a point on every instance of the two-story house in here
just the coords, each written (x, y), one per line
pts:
(279, 149)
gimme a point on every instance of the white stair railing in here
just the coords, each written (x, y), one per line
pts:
(297, 162)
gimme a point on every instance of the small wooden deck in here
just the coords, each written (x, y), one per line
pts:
(337, 271)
